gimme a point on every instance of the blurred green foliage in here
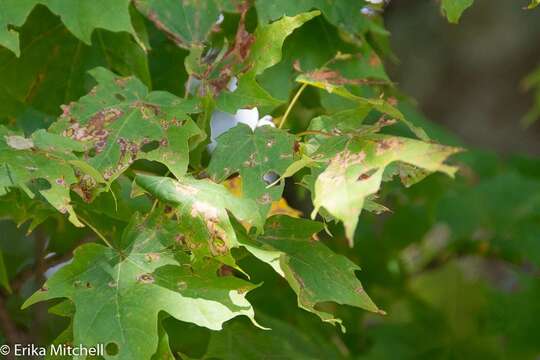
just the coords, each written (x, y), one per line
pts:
(455, 263)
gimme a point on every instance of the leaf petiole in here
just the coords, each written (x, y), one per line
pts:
(291, 104)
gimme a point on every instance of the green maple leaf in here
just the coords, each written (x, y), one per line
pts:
(344, 14)
(453, 9)
(254, 155)
(43, 156)
(201, 207)
(249, 94)
(356, 172)
(264, 53)
(120, 118)
(67, 309)
(311, 47)
(118, 294)
(266, 49)
(80, 17)
(332, 82)
(185, 23)
(37, 83)
(314, 272)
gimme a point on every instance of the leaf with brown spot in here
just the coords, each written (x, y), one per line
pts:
(202, 207)
(185, 22)
(33, 158)
(119, 127)
(356, 172)
(253, 154)
(314, 272)
(335, 83)
(125, 312)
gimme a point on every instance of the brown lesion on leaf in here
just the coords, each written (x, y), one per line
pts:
(180, 239)
(128, 152)
(185, 242)
(103, 118)
(297, 67)
(164, 142)
(347, 158)
(389, 144)
(181, 285)
(108, 173)
(331, 76)
(148, 111)
(363, 176)
(95, 129)
(251, 161)
(66, 110)
(225, 270)
(204, 210)
(122, 82)
(185, 189)
(152, 257)
(145, 279)
(218, 238)
(374, 60)
(392, 101)
(384, 121)
(265, 199)
(236, 54)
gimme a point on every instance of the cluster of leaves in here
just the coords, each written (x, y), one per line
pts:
(173, 232)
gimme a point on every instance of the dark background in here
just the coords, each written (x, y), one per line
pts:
(469, 76)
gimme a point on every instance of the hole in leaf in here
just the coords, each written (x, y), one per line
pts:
(111, 349)
(270, 177)
(152, 145)
(366, 175)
